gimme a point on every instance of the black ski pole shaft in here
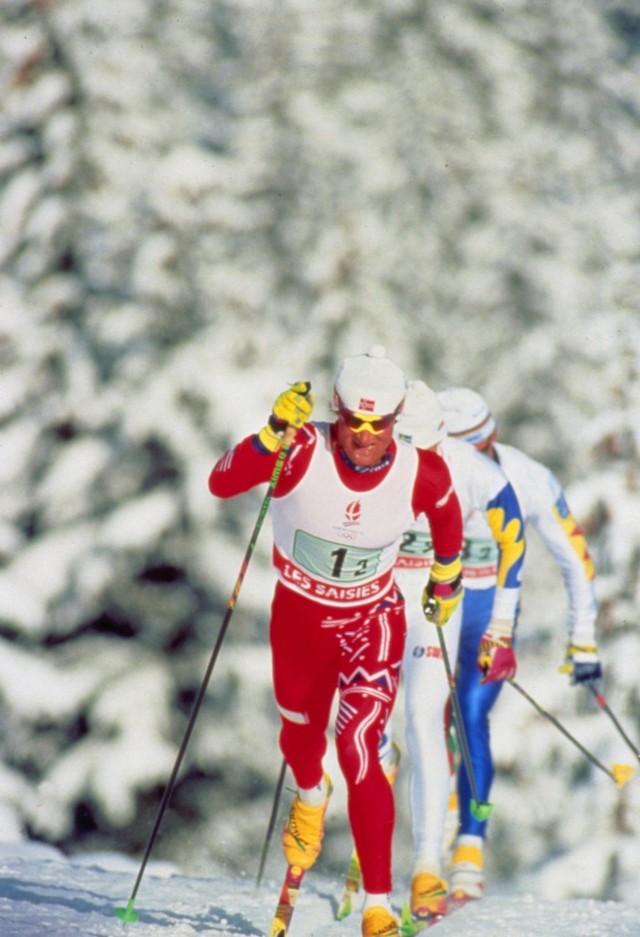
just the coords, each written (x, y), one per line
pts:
(272, 820)
(127, 914)
(602, 703)
(481, 810)
(619, 773)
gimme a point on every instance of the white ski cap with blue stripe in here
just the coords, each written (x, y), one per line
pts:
(466, 414)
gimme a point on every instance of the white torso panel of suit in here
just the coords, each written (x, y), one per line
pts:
(476, 481)
(335, 545)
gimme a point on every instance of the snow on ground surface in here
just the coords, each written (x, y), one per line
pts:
(44, 893)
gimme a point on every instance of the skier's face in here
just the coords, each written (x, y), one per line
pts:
(486, 446)
(361, 446)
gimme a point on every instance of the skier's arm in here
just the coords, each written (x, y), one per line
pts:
(496, 656)
(565, 541)
(246, 465)
(253, 460)
(435, 496)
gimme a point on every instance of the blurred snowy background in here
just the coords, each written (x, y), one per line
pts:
(201, 202)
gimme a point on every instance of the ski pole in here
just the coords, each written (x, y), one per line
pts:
(128, 914)
(272, 820)
(602, 703)
(481, 810)
(619, 773)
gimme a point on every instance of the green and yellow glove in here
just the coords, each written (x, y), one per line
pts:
(292, 408)
(443, 593)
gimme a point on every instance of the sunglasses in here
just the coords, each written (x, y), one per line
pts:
(358, 422)
(484, 446)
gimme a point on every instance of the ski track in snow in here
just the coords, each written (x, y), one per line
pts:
(44, 893)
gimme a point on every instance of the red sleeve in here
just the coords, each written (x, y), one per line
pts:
(434, 495)
(249, 464)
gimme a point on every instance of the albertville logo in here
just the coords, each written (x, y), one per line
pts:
(366, 406)
(352, 513)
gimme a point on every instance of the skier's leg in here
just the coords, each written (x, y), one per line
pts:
(476, 701)
(426, 697)
(304, 679)
(371, 661)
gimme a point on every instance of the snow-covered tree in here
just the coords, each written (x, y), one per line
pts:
(200, 203)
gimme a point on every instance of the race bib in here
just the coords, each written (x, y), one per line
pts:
(416, 543)
(334, 561)
(479, 552)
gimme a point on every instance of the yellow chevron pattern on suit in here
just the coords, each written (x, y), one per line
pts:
(575, 536)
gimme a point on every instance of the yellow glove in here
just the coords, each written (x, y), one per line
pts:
(443, 592)
(292, 408)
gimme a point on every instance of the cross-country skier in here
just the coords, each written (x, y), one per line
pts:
(544, 508)
(345, 496)
(494, 549)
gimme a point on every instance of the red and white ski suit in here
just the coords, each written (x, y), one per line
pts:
(337, 616)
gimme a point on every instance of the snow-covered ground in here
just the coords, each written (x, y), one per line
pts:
(44, 893)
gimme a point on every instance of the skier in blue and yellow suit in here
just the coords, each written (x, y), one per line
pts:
(479, 680)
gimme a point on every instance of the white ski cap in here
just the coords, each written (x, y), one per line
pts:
(422, 419)
(466, 414)
(370, 383)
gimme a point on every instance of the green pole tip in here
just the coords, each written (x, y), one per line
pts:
(407, 928)
(127, 914)
(482, 810)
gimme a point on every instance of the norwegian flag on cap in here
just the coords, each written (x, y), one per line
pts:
(366, 406)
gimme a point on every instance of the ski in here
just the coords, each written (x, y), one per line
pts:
(287, 901)
(352, 883)
(460, 901)
(409, 925)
